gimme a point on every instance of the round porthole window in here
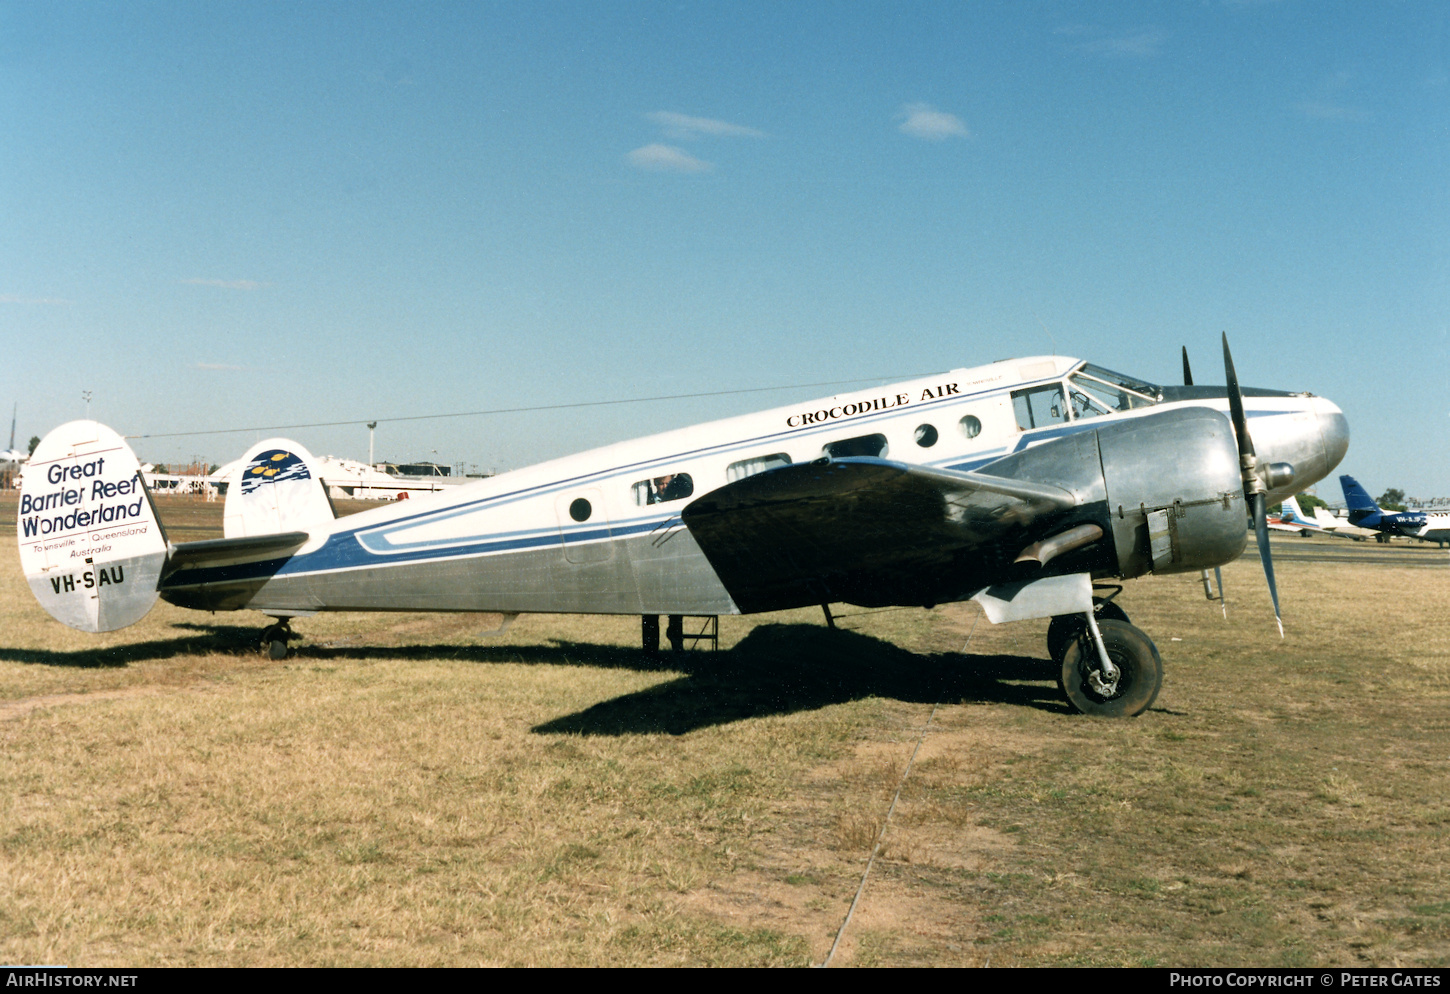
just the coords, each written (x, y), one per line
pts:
(971, 427)
(926, 436)
(580, 510)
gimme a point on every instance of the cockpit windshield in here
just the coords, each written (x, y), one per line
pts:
(1095, 391)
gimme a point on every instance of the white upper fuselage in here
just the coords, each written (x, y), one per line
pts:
(608, 493)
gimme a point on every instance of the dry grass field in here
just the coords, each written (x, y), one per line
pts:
(401, 792)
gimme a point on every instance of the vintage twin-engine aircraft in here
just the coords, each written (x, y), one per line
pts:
(1016, 483)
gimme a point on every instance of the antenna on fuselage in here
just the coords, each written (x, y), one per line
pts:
(1044, 328)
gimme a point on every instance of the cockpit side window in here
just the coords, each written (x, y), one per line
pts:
(1039, 407)
(1088, 401)
(1111, 391)
(663, 489)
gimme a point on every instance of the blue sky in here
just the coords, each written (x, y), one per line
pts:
(229, 215)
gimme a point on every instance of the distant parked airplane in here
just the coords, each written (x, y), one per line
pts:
(1335, 525)
(1292, 519)
(1429, 526)
(12, 458)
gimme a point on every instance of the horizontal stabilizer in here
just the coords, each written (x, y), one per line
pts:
(90, 544)
(217, 551)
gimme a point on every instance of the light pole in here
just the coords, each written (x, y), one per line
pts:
(86, 396)
(371, 426)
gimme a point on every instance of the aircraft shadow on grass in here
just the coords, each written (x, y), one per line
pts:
(783, 669)
(776, 669)
(208, 638)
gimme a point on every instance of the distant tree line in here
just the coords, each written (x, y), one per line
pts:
(1392, 499)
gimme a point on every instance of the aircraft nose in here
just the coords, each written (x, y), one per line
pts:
(1334, 429)
(1301, 447)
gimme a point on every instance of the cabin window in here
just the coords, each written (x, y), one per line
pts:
(580, 509)
(861, 445)
(1039, 407)
(926, 436)
(971, 425)
(663, 489)
(749, 467)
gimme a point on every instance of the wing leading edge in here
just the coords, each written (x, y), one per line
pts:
(869, 531)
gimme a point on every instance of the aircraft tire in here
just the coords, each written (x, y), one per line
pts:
(1064, 628)
(274, 642)
(1132, 652)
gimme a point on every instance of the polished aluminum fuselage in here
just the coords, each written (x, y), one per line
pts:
(517, 542)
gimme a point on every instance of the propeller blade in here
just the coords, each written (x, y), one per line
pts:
(1253, 486)
(1236, 410)
(1187, 373)
(1261, 531)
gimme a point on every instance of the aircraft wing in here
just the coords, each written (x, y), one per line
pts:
(867, 531)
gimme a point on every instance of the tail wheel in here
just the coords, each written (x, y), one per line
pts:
(1065, 628)
(1137, 682)
(274, 641)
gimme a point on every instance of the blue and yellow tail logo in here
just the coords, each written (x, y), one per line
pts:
(273, 466)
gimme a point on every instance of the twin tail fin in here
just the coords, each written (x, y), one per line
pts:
(93, 549)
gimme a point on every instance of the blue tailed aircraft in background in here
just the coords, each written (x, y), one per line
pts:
(1430, 526)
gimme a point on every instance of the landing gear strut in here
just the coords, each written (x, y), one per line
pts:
(1124, 688)
(674, 631)
(275, 638)
(1065, 628)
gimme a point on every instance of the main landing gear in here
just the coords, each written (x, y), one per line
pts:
(1121, 678)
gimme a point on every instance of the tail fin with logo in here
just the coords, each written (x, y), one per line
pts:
(91, 546)
(276, 489)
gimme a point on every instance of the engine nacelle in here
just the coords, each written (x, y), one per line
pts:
(1166, 487)
(1174, 491)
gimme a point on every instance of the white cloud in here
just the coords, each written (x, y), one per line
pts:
(1324, 111)
(1335, 100)
(14, 298)
(683, 127)
(227, 284)
(667, 159)
(925, 121)
(1140, 44)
